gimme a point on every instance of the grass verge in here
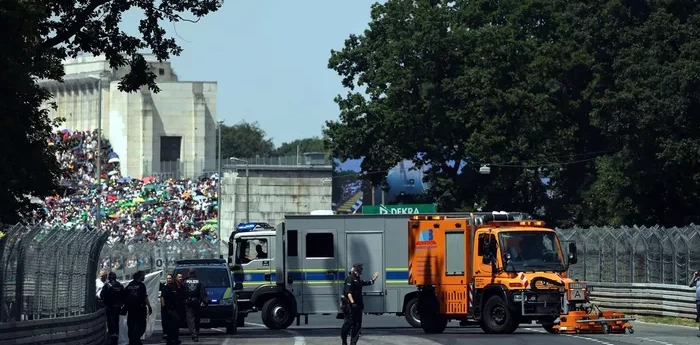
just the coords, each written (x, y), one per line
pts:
(667, 320)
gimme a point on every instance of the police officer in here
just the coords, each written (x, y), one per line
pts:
(196, 298)
(137, 305)
(112, 295)
(352, 292)
(172, 299)
(164, 313)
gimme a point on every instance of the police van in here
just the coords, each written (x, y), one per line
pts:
(215, 276)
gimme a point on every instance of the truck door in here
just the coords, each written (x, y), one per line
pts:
(320, 288)
(254, 262)
(482, 265)
(367, 247)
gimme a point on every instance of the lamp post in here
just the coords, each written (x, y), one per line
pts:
(98, 155)
(247, 186)
(218, 190)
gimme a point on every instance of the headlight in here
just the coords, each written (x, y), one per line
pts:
(517, 297)
(227, 301)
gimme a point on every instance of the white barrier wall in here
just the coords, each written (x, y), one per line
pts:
(645, 299)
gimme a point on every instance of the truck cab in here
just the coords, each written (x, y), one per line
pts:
(251, 259)
(495, 270)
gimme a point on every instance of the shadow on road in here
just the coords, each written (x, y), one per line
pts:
(334, 332)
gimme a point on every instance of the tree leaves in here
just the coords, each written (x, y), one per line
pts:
(69, 28)
(245, 140)
(597, 96)
(40, 35)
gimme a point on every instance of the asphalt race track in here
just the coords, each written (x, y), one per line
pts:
(392, 330)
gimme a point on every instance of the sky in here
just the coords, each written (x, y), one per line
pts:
(270, 59)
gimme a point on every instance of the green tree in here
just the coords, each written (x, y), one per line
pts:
(245, 140)
(646, 97)
(43, 34)
(598, 96)
(473, 82)
(313, 144)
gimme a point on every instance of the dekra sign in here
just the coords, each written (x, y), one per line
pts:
(398, 210)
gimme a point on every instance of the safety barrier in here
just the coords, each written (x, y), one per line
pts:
(645, 299)
(89, 329)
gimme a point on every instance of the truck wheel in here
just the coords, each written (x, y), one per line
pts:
(277, 314)
(240, 321)
(548, 325)
(411, 314)
(484, 328)
(497, 318)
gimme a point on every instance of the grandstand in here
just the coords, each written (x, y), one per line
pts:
(134, 210)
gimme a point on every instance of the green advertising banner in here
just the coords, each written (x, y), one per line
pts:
(399, 209)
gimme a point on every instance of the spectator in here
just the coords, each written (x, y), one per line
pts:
(133, 210)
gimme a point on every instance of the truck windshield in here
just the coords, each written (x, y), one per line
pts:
(531, 251)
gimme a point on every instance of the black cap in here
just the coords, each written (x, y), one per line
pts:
(357, 267)
(112, 276)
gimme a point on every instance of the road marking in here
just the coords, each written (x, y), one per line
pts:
(298, 338)
(587, 338)
(535, 330)
(578, 336)
(655, 341)
(663, 324)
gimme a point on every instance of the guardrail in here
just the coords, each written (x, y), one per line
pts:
(89, 329)
(645, 299)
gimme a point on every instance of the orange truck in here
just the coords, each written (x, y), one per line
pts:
(498, 270)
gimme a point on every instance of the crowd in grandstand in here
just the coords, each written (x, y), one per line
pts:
(133, 210)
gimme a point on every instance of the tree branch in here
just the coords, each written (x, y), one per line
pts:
(77, 24)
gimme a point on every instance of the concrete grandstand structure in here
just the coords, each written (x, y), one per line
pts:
(150, 132)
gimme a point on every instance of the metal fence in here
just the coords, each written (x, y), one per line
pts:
(47, 272)
(125, 259)
(180, 170)
(199, 167)
(635, 254)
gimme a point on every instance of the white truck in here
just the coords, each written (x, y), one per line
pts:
(299, 267)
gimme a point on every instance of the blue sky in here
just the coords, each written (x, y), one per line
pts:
(270, 60)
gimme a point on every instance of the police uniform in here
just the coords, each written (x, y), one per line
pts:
(353, 312)
(196, 296)
(112, 295)
(136, 309)
(174, 297)
(164, 313)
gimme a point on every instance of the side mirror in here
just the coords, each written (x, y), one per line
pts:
(573, 256)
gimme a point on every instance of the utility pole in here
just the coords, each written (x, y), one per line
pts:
(218, 191)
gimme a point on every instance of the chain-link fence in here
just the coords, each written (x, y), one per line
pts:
(125, 259)
(47, 272)
(635, 254)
